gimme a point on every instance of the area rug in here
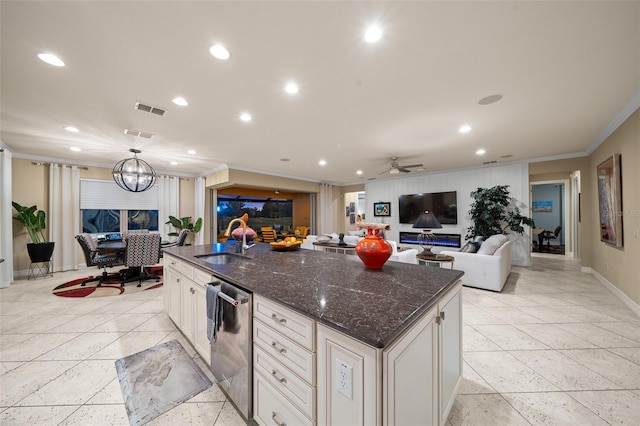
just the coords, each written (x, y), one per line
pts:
(109, 287)
(158, 379)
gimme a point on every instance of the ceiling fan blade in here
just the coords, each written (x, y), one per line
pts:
(403, 170)
(410, 166)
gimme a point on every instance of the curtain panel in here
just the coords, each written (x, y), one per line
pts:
(6, 214)
(199, 207)
(326, 209)
(64, 215)
(168, 203)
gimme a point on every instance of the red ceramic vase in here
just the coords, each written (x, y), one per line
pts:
(373, 250)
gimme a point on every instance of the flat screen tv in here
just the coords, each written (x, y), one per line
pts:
(443, 204)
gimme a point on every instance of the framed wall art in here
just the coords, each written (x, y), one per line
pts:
(610, 200)
(382, 209)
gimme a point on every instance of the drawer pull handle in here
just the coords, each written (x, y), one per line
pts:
(280, 320)
(281, 350)
(274, 373)
(273, 416)
(442, 315)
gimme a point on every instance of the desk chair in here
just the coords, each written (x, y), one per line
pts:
(551, 237)
(181, 241)
(93, 258)
(142, 250)
(268, 234)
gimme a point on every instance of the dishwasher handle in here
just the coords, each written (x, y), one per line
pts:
(234, 302)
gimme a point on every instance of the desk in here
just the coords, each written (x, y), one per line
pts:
(335, 247)
(438, 259)
(109, 247)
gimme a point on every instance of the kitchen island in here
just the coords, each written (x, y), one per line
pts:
(359, 346)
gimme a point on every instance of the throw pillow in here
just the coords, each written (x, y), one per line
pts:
(491, 244)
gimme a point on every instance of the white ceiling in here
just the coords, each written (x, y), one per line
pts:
(564, 69)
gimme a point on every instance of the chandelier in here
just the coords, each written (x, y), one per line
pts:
(133, 174)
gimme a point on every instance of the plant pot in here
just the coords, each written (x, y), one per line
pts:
(40, 252)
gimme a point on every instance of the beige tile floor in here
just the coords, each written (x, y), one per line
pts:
(554, 348)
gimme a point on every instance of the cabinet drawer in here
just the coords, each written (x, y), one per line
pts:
(201, 277)
(291, 324)
(287, 383)
(292, 356)
(180, 266)
(271, 407)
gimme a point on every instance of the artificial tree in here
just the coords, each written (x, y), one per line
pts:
(494, 212)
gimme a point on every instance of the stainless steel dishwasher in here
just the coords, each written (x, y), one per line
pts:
(231, 354)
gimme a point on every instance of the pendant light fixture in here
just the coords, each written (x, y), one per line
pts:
(133, 174)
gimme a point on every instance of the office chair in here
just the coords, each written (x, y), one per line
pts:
(181, 241)
(93, 258)
(142, 250)
(549, 237)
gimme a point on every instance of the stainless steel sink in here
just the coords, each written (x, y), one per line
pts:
(222, 258)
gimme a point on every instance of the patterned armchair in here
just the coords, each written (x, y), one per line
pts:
(142, 250)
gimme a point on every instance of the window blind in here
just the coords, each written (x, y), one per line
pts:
(104, 194)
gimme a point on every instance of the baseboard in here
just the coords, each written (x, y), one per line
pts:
(635, 307)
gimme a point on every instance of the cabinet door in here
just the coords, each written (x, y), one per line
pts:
(411, 384)
(200, 339)
(172, 296)
(450, 344)
(187, 307)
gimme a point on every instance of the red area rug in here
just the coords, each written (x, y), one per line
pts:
(109, 287)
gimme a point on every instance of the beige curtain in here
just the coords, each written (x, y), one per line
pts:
(199, 207)
(168, 203)
(326, 209)
(6, 213)
(64, 215)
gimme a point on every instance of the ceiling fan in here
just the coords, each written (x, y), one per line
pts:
(395, 168)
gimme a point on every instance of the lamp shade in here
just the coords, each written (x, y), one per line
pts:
(427, 220)
(133, 174)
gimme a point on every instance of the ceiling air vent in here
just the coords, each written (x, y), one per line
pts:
(490, 162)
(150, 109)
(138, 133)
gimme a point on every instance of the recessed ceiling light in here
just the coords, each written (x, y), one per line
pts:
(71, 129)
(322, 163)
(220, 52)
(373, 34)
(359, 172)
(180, 101)
(51, 59)
(192, 152)
(75, 149)
(481, 152)
(464, 128)
(291, 88)
(173, 163)
(245, 116)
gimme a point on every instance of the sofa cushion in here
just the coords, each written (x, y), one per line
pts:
(470, 247)
(491, 244)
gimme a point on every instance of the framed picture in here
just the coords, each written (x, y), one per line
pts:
(382, 209)
(352, 218)
(610, 200)
(543, 206)
(352, 207)
(347, 211)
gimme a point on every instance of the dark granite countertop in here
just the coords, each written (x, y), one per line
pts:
(335, 289)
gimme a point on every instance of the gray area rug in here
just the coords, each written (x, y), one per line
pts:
(158, 379)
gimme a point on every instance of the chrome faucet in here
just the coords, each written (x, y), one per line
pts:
(244, 246)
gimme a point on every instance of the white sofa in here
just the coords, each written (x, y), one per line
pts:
(484, 271)
(405, 256)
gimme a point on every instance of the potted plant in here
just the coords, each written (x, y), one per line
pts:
(494, 212)
(34, 221)
(184, 223)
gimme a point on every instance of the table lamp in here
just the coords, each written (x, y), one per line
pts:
(428, 221)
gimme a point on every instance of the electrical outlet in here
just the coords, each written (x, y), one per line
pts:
(344, 378)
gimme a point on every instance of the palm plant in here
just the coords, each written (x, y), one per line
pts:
(184, 223)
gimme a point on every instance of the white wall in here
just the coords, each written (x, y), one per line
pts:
(464, 182)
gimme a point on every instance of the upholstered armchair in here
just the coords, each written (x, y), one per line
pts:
(142, 250)
(93, 258)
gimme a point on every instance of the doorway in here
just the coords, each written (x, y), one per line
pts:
(550, 206)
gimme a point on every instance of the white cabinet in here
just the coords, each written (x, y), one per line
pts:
(185, 301)
(283, 365)
(411, 382)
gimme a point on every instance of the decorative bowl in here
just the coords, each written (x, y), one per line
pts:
(323, 238)
(284, 246)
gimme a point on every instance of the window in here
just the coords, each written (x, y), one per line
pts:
(98, 221)
(277, 213)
